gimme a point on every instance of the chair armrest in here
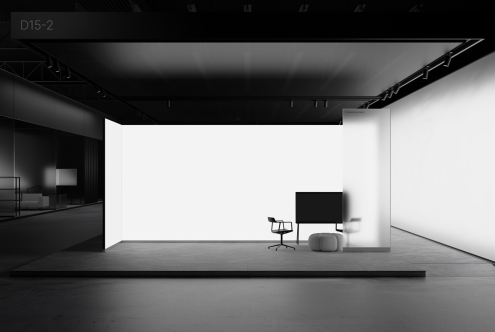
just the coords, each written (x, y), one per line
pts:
(289, 222)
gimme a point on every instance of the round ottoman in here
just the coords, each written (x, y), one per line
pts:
(325, 242)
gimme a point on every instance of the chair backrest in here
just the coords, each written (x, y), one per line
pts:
(270, 219)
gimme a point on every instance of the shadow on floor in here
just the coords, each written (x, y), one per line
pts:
(92, 245)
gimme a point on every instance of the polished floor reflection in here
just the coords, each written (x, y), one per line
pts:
(395, 304)
(27, 239)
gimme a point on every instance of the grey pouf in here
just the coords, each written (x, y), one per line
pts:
(325, 242)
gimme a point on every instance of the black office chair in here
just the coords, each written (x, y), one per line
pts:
(280, 230)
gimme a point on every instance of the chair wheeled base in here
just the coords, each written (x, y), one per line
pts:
(281, 244)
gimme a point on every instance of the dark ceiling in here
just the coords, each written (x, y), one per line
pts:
(139, 78)
(144, 72)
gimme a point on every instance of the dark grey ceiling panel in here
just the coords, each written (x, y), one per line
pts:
(35, 104)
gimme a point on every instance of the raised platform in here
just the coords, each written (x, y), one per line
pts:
(227, 260)
(409, 256)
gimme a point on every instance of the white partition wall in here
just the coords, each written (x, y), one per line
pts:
(220, 183)
(113, 183)
(443, 178)
(366, 179)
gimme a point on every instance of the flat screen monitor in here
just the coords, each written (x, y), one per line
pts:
(318, 207)
(66, 177)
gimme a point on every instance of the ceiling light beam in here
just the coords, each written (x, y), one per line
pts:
(416, 8)
(303, 8)
(360, 8)
(134, 6)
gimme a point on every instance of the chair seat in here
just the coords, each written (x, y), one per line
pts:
(282, 231)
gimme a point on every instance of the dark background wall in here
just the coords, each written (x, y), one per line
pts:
(6, 165)
(101, 170)
(6, 147)
(50, 132)
(70, 154)
(90, 170)
(81, 153)
(35, 159)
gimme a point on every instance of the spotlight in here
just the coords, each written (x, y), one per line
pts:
(326, 103)
(385, 96)
(292, 103)
(396, 89)
(168, 103)
(446, 63)
(425, 73)
(68, 72)
(316, 103)
(104, 93)
(49, 63)
(97, 89)
(58, 67)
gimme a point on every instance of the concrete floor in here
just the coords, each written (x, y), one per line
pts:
(435, 303)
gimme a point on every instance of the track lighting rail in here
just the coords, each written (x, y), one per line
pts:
(423, 72)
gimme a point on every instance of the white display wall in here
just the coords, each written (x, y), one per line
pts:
(113, 183)
(220, 183)
(443, 179)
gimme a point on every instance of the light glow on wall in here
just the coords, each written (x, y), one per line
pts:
(443, 179)
(222, 182)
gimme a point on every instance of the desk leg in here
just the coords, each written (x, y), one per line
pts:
(297, 234)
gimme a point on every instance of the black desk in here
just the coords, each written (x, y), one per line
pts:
(316, 222)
